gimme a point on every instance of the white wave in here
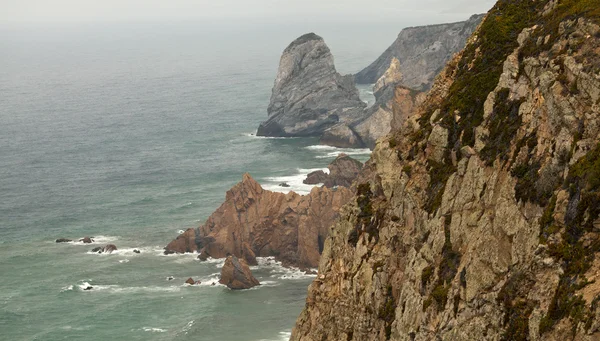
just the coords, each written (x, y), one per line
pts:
(332, 152)
(95, 240)
(67, 288)
(124, 261)
(295, 181)
(321, 147)
(282, 336)
(130, 251)
(218, 262)
(253, 135)
(154, 330)
(211, 281)
(116, 289)
(281, 272)
(188, 327)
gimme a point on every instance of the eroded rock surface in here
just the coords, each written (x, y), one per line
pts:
(478, 219)
(236, 274)
(309, 95)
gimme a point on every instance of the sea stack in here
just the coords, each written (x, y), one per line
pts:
(309, 95)
(236, 274)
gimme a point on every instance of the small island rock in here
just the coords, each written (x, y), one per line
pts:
(236, 274)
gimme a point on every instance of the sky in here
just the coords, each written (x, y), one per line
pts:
(85, 11)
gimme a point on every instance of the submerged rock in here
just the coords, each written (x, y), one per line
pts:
(137, 251)
(309, 95)
(236, 274)
(109, 248)
(97, 249)
(86, 240)
(63, 240)
(190, 281)
(284, 184)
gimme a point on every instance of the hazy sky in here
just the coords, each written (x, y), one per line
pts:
(69, 11)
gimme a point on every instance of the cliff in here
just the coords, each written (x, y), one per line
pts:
(421, 52)
(478, 220)
(309, 95)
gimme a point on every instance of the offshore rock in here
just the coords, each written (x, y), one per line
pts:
(342, 172)
(309, 95)
(253, 222)
(236, 274)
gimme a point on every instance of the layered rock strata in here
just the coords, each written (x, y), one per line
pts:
(479, 219)
(309, 95)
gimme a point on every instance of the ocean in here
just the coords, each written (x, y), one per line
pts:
(130, 134)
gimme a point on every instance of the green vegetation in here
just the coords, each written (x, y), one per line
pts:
(439, 172)
(576, 255)
(426, 275)
(503, 126)
(388, 312)
(517, 309)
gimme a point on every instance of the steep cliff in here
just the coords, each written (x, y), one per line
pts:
(422, 52)
(479, 219)
(309, 95)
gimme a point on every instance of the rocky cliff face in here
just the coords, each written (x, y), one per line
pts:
(309, 95)
(421, 52)
(253, 222)
(479, 219)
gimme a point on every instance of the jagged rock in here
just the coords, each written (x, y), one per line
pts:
(469, 222)
(203, 256)
(342, 136)
(316, 177)
(309, 95)
(97, 249)
(342, 172)
(284, 184)
(253, 222)
(170, 278)
(86, 240)
(109, 248)
(421, 53)
(185, 242)
(236, 274)
(190, 281)
(137, 251)
(63, 240)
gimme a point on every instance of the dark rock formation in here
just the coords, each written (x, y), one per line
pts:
(86, 240)
(190, 281)
(253, 222)
(309, 95)
(63, 240)
(342, 172)
(109, 248)
(422, 52)
(97, 249)
(479, 219)
(284, 184)
(236, 274)
(137, 251)
(316, 177)
(203, 256)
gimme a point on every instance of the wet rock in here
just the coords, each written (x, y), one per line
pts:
(137, 251)
(316, 177)
(190, 281)
(97, 249)
(236, 274)
(63, 240)
(284, 184)
(203, 256)
(86, 240)
(185, 242)
(170, 278)
(109, 248)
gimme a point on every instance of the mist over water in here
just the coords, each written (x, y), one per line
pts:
(131, 133)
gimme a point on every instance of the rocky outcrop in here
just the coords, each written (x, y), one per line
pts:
(63, 240)
(478, 220)
(86, 240)
(342, 172)
(253, 222)
(309, 95)
(421, 53)
(236, 274)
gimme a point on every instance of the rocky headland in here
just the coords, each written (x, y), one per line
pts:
(479, 219)
(253, 222)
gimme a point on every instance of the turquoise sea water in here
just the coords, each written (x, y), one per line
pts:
(130, 135)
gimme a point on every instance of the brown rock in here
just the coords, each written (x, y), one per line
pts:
(342, 171)
(203, 256)
(185, 242)
(316, 177)
(109, 248)
(253, 222)
(86, 240)
(236, 274)
(190, 281)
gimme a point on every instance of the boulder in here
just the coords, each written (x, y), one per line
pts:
(316, 177)
(236, 274)
(309, 95)
(284, 184)
(63, 240)
(190, 281)
(97, 249)
(137, 251)
(86, 240)
(342, 171)
(203, 256)
(109, 248)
